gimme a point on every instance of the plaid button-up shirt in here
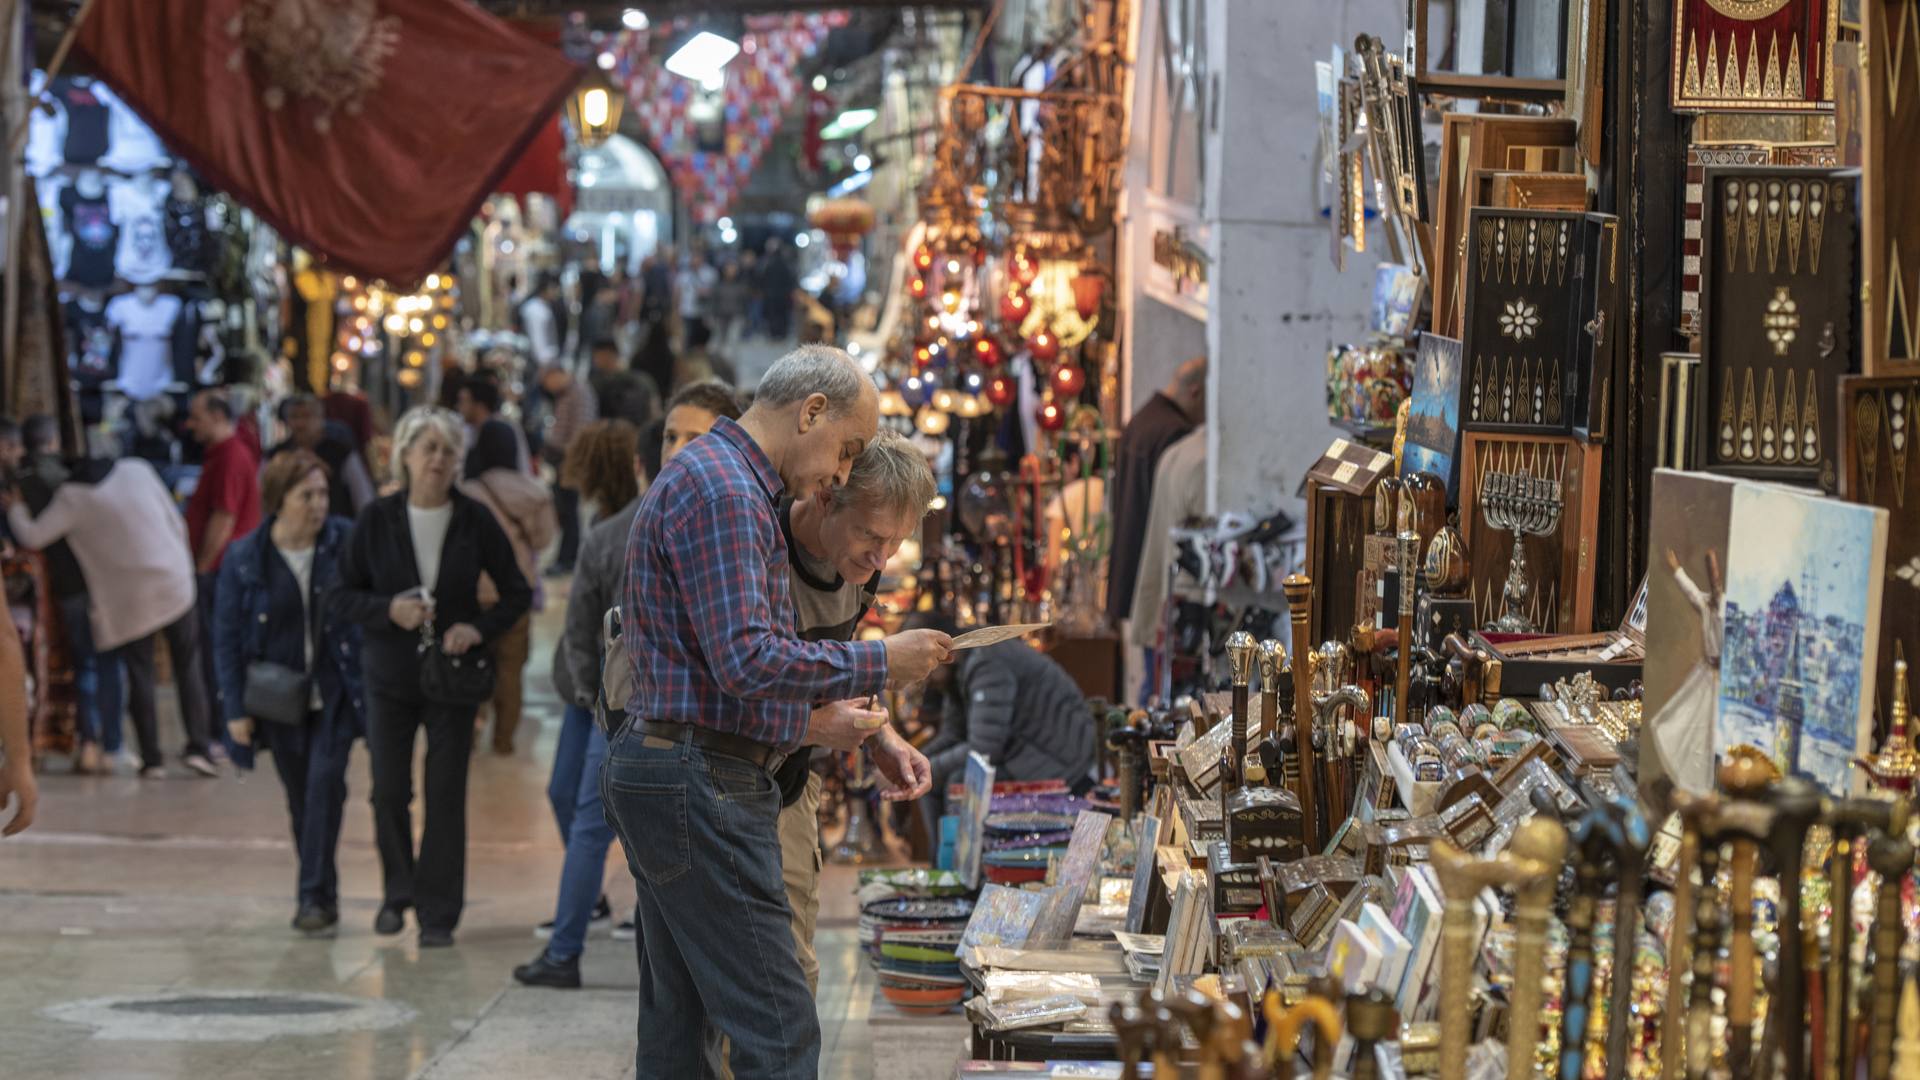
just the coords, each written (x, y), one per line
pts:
(707, 617)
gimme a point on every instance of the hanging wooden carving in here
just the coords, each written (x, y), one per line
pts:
(1878, 415)
(1890, 154)
(1753, 55)
(1779, 301)
(1525, 351)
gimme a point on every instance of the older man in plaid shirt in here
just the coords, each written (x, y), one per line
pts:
(723, 691)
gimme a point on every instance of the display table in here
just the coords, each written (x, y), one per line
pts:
(909, 1047)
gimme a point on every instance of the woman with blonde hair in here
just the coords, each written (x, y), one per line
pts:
(411, 579)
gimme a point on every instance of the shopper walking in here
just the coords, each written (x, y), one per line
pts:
(606, 463)
(131, 543)
(721, 693)
(225, 504)
(349, 486)
(97, 684)
(411, 580)
(728, 307)
(573, 408)
(521, 507)
(692, 413)
(777, 283)
(540, 321)
(271, 633)
(620, 393)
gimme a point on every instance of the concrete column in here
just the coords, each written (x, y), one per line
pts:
(1275, 303)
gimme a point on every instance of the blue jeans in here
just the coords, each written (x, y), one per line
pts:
(575, 792)
(312, 762)
(96, 679)
(701, 830)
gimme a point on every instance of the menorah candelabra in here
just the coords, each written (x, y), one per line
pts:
(1528, 506)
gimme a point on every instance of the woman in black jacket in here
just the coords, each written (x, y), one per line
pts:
(411, 578)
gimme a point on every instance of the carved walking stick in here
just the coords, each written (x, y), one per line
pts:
(1748, 823)
(1849, 819)
(1299, 590)
(1698, 814)
(1906, 1049)
(1240, 658)
(1283, 1032)
(1273, 670)
(1891, 857)
(1541, 842)
(1796, 805)
(1461, 878)
(1630, 853)
(1369, 1021)
(1408, 548)
(1587, 836)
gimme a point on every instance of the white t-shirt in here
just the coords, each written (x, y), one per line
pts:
(146, 341)
(301, 563)
(429, 528)
(536, 318)
(143, 256)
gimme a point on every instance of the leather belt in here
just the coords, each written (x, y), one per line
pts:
(751, 751)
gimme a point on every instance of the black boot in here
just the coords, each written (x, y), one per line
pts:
(390, 920)
(314, 919)
(547, 971)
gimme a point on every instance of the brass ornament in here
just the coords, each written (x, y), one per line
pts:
(1746, 10)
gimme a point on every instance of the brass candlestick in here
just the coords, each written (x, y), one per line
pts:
(1541, 844)
(1891, 857)
(1299, 590)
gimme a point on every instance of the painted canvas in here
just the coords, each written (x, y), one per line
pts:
(1801, 626)
(1687, 541)
(1396, 299)
(970, 844)
(1433, 423)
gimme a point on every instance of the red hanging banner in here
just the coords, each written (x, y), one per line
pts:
(367, 131)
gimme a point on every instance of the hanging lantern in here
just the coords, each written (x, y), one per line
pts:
(1068, 380)
(892, 403)
(923, 258)
(969, 406)
(1023, 268)
(1051, 416)
(1001, 391)
(932, 421)
(1014, 307)
(1088, 287)
(915, 391)
(973, 382)
(593, 109)
(987, 351)
(917, 288)
(950, 301)
(845, 220)
(1043, 347)
(945, 400)
(921, 356)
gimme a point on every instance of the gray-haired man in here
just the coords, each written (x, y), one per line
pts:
(723, 692)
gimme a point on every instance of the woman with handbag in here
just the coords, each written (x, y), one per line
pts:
(524, 509)
(290, 672)
(411, 580)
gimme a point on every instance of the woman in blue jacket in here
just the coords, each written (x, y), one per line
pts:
(269, 607)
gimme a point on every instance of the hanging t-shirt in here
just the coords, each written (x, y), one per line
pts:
(187, 235)
(87, 119)
(91, 339)
(132, 147)
(136, 207)
(146, 342)
(59, 242)
(90, 223)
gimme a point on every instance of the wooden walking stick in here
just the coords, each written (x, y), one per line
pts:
(1241, 652)
(1587, 836)
(1283, 1033)
(1747, 823)
(1541, 843)
(1891, 857)
(1408, 549)
(1299, 590)
(1461, 878)
(1849, 819)
(1906, 1049)
(1797, 804)
(1369, 1021)
(1630, 853)
(1697, 814)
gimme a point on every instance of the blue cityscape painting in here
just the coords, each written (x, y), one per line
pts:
(1801, 595)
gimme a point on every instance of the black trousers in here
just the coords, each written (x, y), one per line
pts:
(433, 882)
(566, 504)
(196, 708)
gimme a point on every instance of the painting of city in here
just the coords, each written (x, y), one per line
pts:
(1801, 619)
(1433, 420)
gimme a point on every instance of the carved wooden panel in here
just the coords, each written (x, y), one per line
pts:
(1469, 142)
(1530, 276)
(1891, 156)
(1337, 526)
(1877, 416)
(1753, 55)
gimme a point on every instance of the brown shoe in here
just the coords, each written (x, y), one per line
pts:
(87, 761)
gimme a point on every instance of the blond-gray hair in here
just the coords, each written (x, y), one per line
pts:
(418, 421)
(890, 474)
(814, 369)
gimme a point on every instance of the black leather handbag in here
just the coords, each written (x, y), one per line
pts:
(466, 679)
(277, 693)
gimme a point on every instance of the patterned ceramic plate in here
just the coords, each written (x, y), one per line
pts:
(935, 910)
(1029, 821)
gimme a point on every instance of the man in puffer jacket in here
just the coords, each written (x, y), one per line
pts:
(1012, 703)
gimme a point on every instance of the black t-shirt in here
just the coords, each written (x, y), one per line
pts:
(87, 118)
(95, 237)
(94, 358)
(839, 592)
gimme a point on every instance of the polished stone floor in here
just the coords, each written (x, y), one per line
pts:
(184, 887)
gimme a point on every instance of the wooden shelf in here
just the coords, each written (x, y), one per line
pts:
(1492, 86)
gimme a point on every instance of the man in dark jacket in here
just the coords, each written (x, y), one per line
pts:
(349, 487)
(1012, 703)
(1169, 414)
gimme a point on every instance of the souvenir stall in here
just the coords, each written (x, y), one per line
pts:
(1583, 747)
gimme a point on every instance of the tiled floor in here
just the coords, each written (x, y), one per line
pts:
(126, 887)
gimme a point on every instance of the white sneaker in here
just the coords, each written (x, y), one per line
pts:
(198, 763)
(624, 929)
(156, 773)
(124, 760)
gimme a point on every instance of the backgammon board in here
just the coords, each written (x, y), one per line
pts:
(1534, 144)
(1878, 415)
(1890, 154)
(1753, 55)
(1560, 560)
(1779, 302)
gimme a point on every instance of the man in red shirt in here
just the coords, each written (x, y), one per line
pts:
(224, 507)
